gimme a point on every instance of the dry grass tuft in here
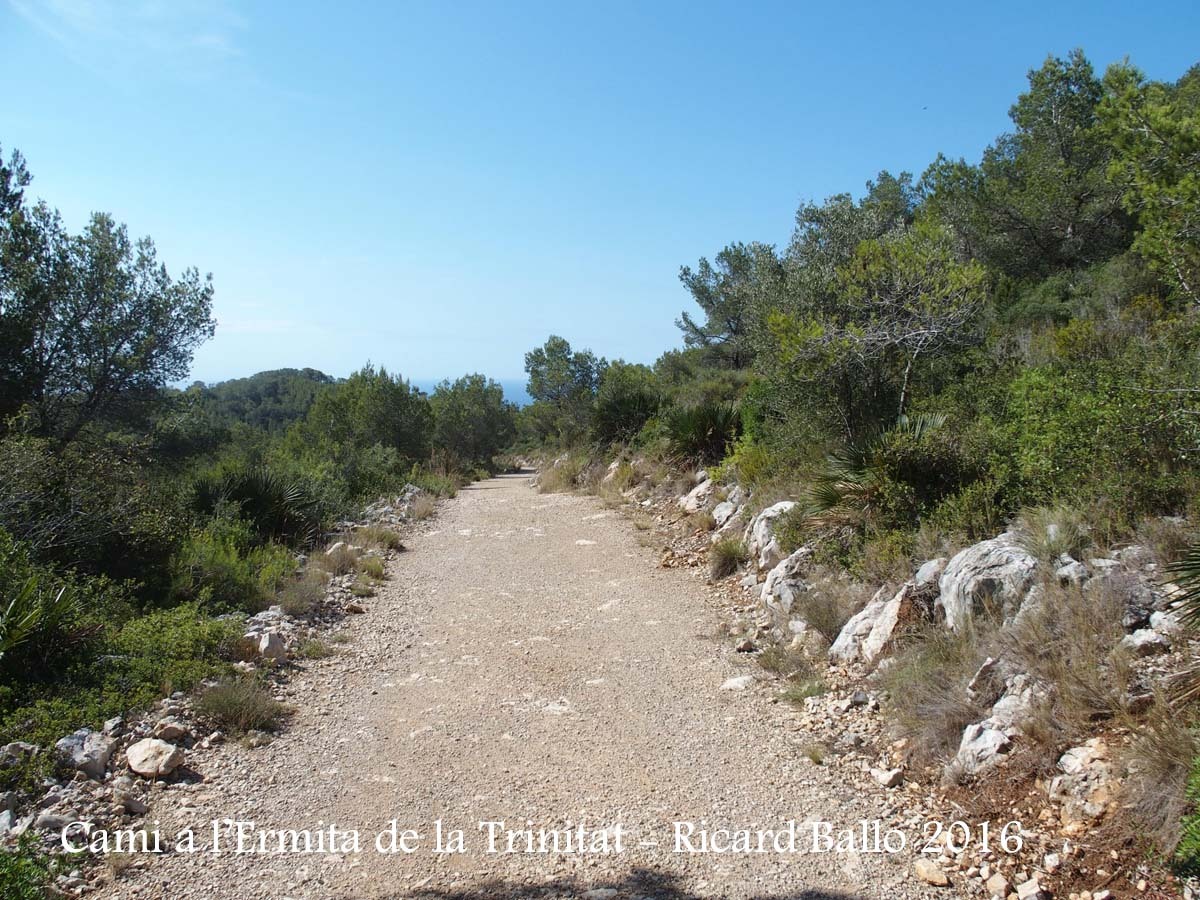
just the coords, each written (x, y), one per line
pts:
(1069, 639)
(726, 557)
(1166, 537)
(341, 561)
(422, 507)
(1050, 532)
(1157, 763)
(378, 536)
(830, 604)
(301, 595)
(314, 649)
(927, 689)
(372, 567)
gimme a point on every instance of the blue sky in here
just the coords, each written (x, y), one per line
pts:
(438, 187)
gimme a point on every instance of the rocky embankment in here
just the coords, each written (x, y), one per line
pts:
(1074, 831)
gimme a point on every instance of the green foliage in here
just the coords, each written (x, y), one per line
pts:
(628, 397)
(45, 617)
(1187, 854)
(133, 664)
(270, 400)
(1040, 201)
(472, 421)
(1186, 572)
(223, 567)
(92, 508)
(563, 384)
(364, 433)
(93, 325)
(725, 294)
(1155, 129)
(26, 870)
(894, 474)
(703, 433)
(278, 508)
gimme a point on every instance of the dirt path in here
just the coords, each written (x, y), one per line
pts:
(527, 662)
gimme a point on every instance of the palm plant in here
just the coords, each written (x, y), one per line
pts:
(703, 432)
(847, 491)
(33, 617)
(1185, 687)
(279, 508)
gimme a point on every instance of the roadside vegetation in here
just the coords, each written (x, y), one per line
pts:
(993, 344)
(140, 522)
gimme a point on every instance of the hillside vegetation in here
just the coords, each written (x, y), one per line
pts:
(991, 369)
(139, 524)
(1038, 306)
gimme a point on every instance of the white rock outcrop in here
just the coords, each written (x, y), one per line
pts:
(760, 538)
(86, 750)
(983, 743)
(697, 498)
(784, 584)
(870, 631)
(997, 572)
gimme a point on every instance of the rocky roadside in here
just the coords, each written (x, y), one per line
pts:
(111, 777)
(1063, 841)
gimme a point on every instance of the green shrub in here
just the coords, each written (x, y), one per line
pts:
(238, 704)
(131, 666)
(278, 509)
(702, 433)
(26, 870)
(97, 509)
(627, 398)
(1187, 854)
(223, 567)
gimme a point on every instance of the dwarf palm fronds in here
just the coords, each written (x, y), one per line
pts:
(1186, 685)
(703, 432)
(278, 508)
(35, 619)
(848, 489)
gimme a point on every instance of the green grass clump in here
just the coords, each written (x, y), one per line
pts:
(238, 704)
(372, 567)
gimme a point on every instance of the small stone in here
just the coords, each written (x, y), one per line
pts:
(997, 886)
(888, 778)
(1051, 862)
(1029, 890)
(355, 608)
(152, 758)
(930, 872)
(171, 729)
(271, 646)
(737, 683)
(50, 820)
